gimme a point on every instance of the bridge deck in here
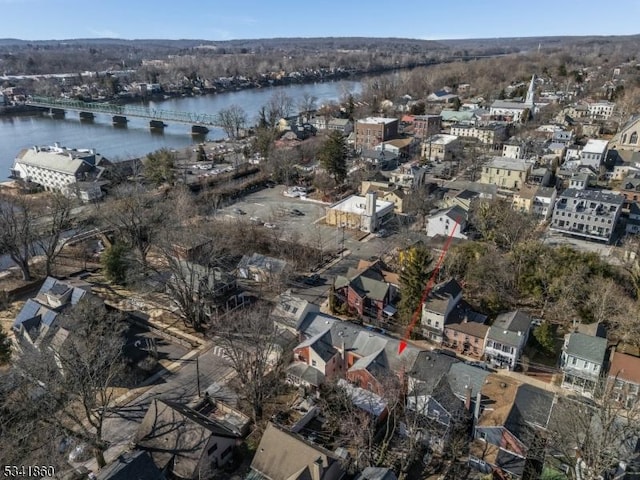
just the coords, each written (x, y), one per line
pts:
(191, 118)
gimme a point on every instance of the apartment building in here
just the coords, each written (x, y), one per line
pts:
(508, 173)
(372, 131)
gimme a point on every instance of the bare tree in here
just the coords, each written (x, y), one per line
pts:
(57, 219)
(252, 345)
(595, 436)
(232, 120)
(307, 104)
(71, 380)
(17, 231)
(136, 215)
(280, 105)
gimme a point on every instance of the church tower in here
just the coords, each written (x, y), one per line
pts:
(532, 87)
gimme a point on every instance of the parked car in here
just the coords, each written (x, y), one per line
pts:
(256, 220)
(381, 233)
(239, 211)
(296, 212)
(270, 225)
(313, 279)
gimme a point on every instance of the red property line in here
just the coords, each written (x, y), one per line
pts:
(427, 290)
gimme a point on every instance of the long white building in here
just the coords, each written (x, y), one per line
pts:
(73, 172)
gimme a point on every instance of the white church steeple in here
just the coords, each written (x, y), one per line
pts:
(529, 101)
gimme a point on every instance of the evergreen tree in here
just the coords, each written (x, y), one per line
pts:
(202, 155)
(333, 156)
(545, 336)
(413, 279)
(158, 166)
(114, 262)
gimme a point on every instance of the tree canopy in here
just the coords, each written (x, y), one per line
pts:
(333, 156)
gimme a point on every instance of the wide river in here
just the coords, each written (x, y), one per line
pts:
(136, 139)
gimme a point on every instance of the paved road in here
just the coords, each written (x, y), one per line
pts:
(181, 386)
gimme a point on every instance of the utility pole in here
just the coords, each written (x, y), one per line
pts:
(198, 375)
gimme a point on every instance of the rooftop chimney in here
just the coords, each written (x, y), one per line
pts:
(476, 410)
(316, 469)
(467, 398)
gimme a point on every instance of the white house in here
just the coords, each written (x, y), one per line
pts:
(442, 222)
(582, 361)
(57, 168)
(593, 153)
(515, 110)
(601, 110)
(543, 201)
(506, 339)
(512, 150)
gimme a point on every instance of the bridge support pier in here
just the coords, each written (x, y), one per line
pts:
(57, 112)
(119, 120)
(157, 125)
(199, 130)
(86, 117)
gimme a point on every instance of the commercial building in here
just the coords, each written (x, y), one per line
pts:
(70, 171)
(440, 148)
(425, 126)
(366, 213)
(491, 134)
(505, 172)
(594, 153)
(371, 131)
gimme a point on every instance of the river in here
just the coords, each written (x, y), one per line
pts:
(136, 139)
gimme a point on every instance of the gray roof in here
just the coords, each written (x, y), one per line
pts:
(374, 349)
(430, 367)
(509, 105)
(594, 195)
(510, 328)
(68, 162)
(368, 282)
(509, 163)
(377, 473)
(282, 455)
(461, 376)
(441, 295)
(586, 347)
(263, 263)
(308, 374)
(131, 466)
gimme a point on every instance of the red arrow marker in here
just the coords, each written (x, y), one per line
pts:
(427, 290)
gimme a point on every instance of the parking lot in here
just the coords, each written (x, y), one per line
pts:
(270, 206)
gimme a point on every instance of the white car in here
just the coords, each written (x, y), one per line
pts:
(270, 225)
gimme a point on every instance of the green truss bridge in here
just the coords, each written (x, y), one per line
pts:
(58, 106)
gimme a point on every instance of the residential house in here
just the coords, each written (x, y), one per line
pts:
(512, 150)
(369, 290)
(437, 308)
(590, 214)
(374, 130)
(633, 221)
(37, 321)
(366, 213)
(543, 202)
(70, 171)
(136, 465)
(442, 96)
(624, 375)
(382, 159)
(403, 147)
(338, 349)
(594, 153)
(580, 180)
(261, 268)
(506, 339)
(523, 199)
(465, 331)
(630, 188)
(289, 311)
(440, 148)
(282, 455)
(425, 126)
(509, 428)
(602, 110)
(491, 134)
(409, 175)
(582, 362)
(459, 198)
(508, 173)
(342, 125)
(621, 164)
(442, 222)
(185, 442)
(627, 138)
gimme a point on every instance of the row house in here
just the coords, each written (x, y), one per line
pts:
(506, 339)
(582, 362)
(491, 134)
(368, 290)
(337, 349)
(624, 376)
(508, 433)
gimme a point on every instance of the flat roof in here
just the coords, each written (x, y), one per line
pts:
(377, 120)
(356, 203)
(595, 146)
(441, 139)
(509, 163)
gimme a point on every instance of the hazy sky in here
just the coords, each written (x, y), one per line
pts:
(225, 19)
